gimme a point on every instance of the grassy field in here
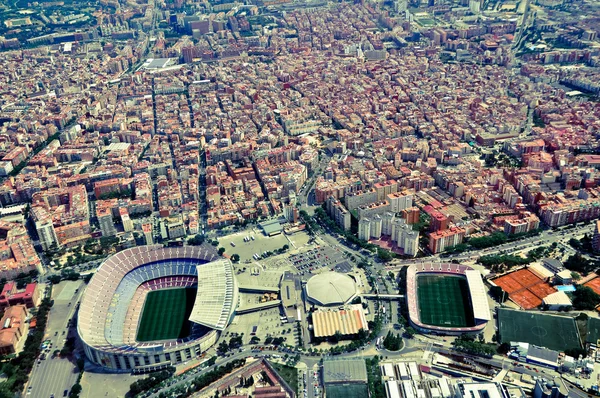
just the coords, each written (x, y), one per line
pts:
(287, 373)
(550, 331)
(444, 301)
(165, 314)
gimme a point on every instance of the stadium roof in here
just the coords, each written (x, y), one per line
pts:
(344, 371)
(217, 295)
(330, 288)
(481, 307)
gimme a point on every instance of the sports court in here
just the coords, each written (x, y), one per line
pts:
(593, 330)
(444, 300)
(594, 284)
(551, 331)
(525, 288)
(165, 314)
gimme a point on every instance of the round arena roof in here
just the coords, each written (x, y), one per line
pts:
(113, 300)
(330, 288)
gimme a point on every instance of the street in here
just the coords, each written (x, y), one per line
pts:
(53, 375)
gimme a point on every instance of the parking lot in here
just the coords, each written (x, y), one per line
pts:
(313, 260)
(246, 249)
(268, 323)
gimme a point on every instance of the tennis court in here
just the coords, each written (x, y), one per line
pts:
(165, 314)
(525, 288)
(551, 331)
(444, 301)
(594, 284)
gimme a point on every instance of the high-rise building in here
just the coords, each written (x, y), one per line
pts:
(444, 239)
(410, 241)
(386, 228)
(339, 214)
(526, 222)
(360, 198)
(596, 238)
(148, 235)
(126, 220)
(376, 226)
(46, 233)
(400, 201)
(364, 229)
(439, 221)
(107, 225)
(411, 215)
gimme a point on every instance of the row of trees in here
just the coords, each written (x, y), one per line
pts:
(153, 379)
(68, 275)
(374, 382)
(17, 369)
(510, 260)
(495, 239)
(204, 380)
(469, 345)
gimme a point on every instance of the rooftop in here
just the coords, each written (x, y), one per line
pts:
(330, 288)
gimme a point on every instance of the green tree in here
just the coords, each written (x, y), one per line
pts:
(384, 255)
(196, 240)
(585, 298)
(75, 391)
(336, 337)
(221, 251)
(392, 342)
(410, 332)
(235, 258)
(223, 347)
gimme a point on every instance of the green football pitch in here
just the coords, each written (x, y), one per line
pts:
(346, 391)
(165, 314)
(444, 301)
(544, 330)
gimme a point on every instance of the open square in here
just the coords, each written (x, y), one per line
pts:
(444, 300)
(550, 331)
(165, 315)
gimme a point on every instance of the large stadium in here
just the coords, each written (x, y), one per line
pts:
(448, 299)
(149, 307)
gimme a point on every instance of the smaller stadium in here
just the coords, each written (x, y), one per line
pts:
(543, 330)
(446, 299)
